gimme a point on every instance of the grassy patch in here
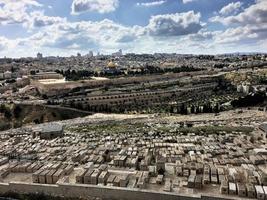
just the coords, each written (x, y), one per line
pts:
(216, 130)
(117, 128)
(107, 127)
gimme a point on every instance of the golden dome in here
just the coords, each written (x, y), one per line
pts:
(112, 65)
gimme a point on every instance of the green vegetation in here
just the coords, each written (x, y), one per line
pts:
(10, 110)
(117, 128)
(4, 125)
(17, 111)
(255, 77)
(17, 196)
(250, 100)
(75, 75)
(208, 130)
(107, 128)
(15, 116)
(6, 110)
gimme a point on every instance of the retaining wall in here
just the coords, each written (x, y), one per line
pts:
(105, 192)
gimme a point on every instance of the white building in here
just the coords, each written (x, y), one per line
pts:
(118, 53)
(7, 75)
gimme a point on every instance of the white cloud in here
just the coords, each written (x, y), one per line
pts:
(21, 2)
(151, 4)
(83, 35)
(242, 35)
(22, 12)
(178, 32)
(188, 1)
(246, 28)
(4, 43)
(106, 35)
(101, 6)
(174, 24)
(38, 19)
(230, 8)
(203, 35)
(15, 12)
(255, 14)
(59, 33)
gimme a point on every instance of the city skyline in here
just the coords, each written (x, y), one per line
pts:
(141, 26)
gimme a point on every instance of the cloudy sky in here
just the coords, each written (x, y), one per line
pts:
(65, 27)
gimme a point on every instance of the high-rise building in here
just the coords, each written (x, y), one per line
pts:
(91, 54)
(120, 52)
(39, 55)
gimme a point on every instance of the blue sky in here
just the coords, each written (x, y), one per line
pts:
(65, 27)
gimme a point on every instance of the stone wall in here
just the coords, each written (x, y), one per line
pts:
(105, 192)
(61, 88)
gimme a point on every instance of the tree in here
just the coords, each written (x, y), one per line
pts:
(8, 114)
(2, 108)
(161, 171)
(32, 72)
(44, 96)
(17, 111)
(13, 69)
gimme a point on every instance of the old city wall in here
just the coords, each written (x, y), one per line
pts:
(41, 87)
(53, 89)
(86, 191)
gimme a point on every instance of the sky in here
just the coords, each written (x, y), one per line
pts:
(66, 27)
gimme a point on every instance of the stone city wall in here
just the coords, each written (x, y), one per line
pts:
(85, 191)
(53, 89)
